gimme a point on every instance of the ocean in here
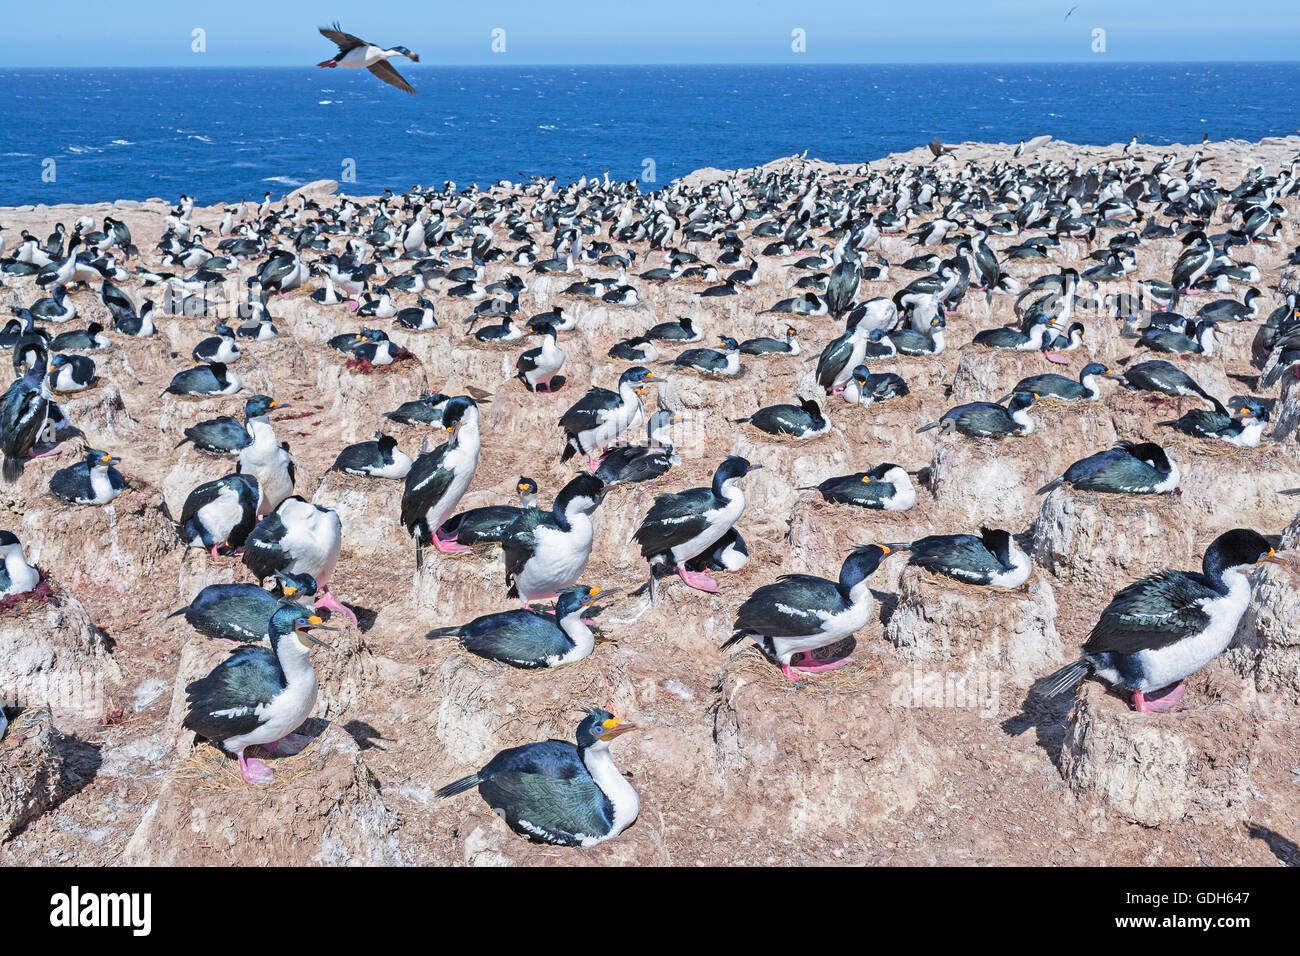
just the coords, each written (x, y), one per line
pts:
(225, 134)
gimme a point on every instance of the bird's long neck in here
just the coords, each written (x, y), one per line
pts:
(295, 660)
(626, 803)
(577, 631)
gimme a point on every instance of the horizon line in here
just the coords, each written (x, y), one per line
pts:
(416, 67)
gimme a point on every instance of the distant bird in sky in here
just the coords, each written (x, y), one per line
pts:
(1072, 9)
(355, 53)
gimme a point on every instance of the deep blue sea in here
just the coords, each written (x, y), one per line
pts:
(227, 134)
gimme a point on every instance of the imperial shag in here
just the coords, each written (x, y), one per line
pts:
(1142, 468)
(220, 514)
(986, 419)
(1166, 626)
(991, 560)
(299, 537)
(380, 458)
(528, 638)
(259, 695)
(886, 487)
(547, 551)
(594, 421)
(242, 612)
(800, 613)
(682, 525)
(486, 525)
(558, 793)
(91, 481)
(439, 478)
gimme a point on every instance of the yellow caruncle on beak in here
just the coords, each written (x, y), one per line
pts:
(314, 621)
(865, 479)
(105, 457)
(593, 591)
(274, 402)
(611, 723)
(290, 591)
(887, 549)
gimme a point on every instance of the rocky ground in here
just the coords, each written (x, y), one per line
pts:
(926, 750)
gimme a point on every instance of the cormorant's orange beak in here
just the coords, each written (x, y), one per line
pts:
(1271, 558)
(614, 728)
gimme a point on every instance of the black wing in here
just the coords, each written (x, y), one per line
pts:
(384, 70)
(783, 609)
(344, 41)
(545, 793)
(263, 553)
(1157, 610)
(426, 483)
(588, 411)
(225, 703)
(674, 519)
(519, 541)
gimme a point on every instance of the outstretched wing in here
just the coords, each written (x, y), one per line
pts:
(384, 70)
(345, 41)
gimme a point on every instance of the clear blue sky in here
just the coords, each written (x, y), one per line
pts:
(283, 32)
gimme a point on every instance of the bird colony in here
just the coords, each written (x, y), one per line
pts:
(934, 509)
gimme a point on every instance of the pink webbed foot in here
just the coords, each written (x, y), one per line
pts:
(810, 665)
(698, 580)
(594, 463)
(214, 551)
(1166, 698)
(254, 771)
(838, 389)
(45, 454)
(448, 545)
(1054, 357)
(335, 606)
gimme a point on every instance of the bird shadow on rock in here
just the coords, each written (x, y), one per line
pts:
(363, 733)
(886, 604)
(79, 767)
(366, 617)
(1284, 849)
(1047, 717)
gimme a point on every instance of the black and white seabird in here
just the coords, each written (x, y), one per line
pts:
(547, 551)
(555, 792)
(259, 695)
(380, 458)
(886, 487)
(987, 419)
(16, 575)
(220, 514)
(800, 613)
(439, 478)
(1161, 629)
(91, 481)
(486, 525)
(593, 422)
(242, 612)
(1129, 468)
(299, 537)
(991, 560)
(355, 53)
(632, 463)
(529, 638)
(799, 422)
(682, 525)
